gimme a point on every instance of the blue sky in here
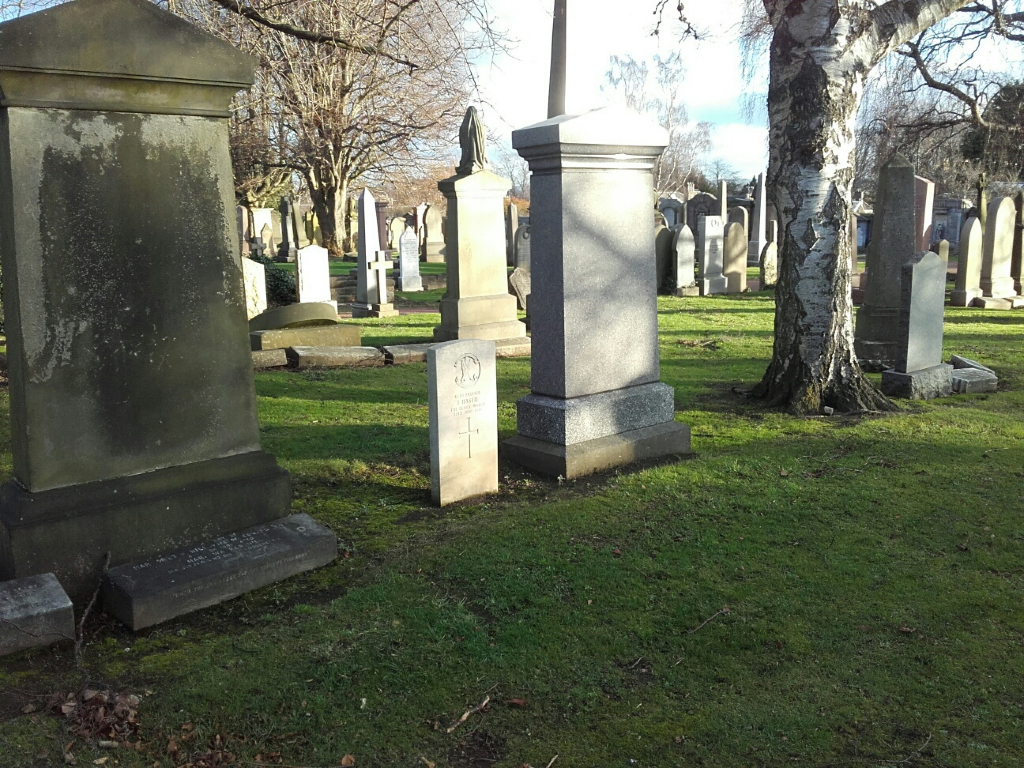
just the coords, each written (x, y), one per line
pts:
(516, 86)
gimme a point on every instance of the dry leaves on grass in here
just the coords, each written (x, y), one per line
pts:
(103, 715)
(710, 344)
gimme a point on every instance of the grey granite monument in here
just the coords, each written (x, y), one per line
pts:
(893, 242)
(133, 410)
(477, 304)
(919, 373)
(597, 401)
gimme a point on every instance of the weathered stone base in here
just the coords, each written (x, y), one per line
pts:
(374, 310)
(1001, 304)
(269, 358)
(479, 317)
(926, 384)
(435, 254)
(713, 286)
(400, 354)
(318, 336)
(410, 284)
(68, 531)
(1000, 287)
(334, 357)
(587, 418)
(963, 298)
(688, 290)
(34, 611)
(969, 381)
(488, 331)
(581, 459)
(146, 593)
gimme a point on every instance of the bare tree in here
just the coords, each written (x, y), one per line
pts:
(662, 98)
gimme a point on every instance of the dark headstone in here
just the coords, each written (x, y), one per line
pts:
(189, 579)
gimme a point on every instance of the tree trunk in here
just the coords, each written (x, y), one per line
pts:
(329, 204)
(816, 87)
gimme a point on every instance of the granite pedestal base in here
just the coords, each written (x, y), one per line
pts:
(479, 317)
(374, 310)
(925, 384)
(586, 458)
(690, 290)
(68, 531)
(876, 337)
(712, 286)
(963, 298)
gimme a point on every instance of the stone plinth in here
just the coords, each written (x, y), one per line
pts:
(334, 357)
(596, 394)
(337, 335)
(150, 592)
(34, 611)
(477, 304)
(893, 243)
(926, 384)
(463, 400)
(133, 410)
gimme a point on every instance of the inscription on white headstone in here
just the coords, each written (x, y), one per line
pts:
(462, 391)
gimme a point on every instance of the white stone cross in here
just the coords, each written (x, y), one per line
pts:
(380, 265)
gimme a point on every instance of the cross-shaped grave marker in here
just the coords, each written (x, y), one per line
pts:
(380, 266)
(469, 434)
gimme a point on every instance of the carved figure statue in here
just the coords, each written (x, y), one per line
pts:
(473, 143)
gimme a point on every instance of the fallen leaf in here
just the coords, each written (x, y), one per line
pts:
(516, 702)
(907, 630)
(616, 552)
(100, 761)
(784, 473)
(347, 761)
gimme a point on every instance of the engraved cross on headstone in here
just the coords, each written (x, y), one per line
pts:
(379, 266)
(469, 434)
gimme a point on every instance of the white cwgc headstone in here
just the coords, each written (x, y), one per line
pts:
(711, 256)
(409, 262)
(996, 280)
(314, 275)
(463, 398)
(255, 276)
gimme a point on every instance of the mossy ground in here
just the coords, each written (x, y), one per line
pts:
(818, 592)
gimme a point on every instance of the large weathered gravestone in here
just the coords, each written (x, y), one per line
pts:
(685, 250)
(734, 265)
(769, 266)
(133, 409)
(409, 263)
(34, 611)
(919, 373)
(711, 256)
(313, 279)
(522, 247)
(996, 280)
(463, 401)
(371, 270)
(894, 242)
(434, 251)
(255, 276)
(968, 268)
(477, 304)
(758, 222)
(699, 206)
(596, 400)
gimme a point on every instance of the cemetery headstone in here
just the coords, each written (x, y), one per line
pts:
(289, 248)
(723, 200)
(133, 408)
(893, 242)
(255, 276)
(996, 280)
(34, 611)
(711, 256)
(674, 211)
(734, 266)
(371, 270)
(758, 223)
(1017, 263)
(685, 249)
(396, 229)
(511, 225)
(769, 266)
(382, 222)
(664, 263)
(919, 373)
(477, 304)
(267, 238)
(314, 275)
(419, 222)
(520, 285)
(924, 208)
(244, 229)
(463, 403)
(739, 215)
(433, 236)
(409, 263)
(522, 247)
(262, 218)
(700, 205)
(596, 397)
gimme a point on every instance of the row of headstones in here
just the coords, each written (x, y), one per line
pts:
(427, 224)
(276, 233)
(991, 262)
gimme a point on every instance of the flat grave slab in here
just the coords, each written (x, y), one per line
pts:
(269, 358)
(969, 381)
(400, 354)
(295, 316)
(965, 362)
(34, 611)
(153, 591)
(334, 357)
(339, 335)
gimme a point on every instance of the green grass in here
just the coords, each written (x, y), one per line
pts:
(873, 570)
